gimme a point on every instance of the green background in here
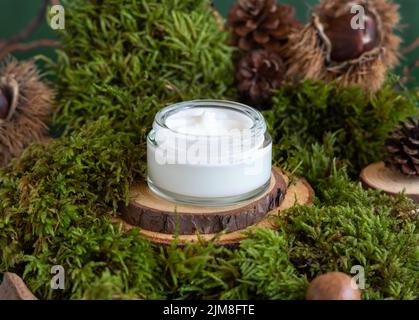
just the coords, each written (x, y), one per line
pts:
(15, 14)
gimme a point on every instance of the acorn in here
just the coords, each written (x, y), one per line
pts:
(4, 105)
(333, 286)
(330, 49)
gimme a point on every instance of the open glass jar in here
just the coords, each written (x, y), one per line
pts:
(209, 152)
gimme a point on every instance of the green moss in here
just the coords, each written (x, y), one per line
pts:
(170, 50)
(259, 268)
(265, 270)
(350, 226)
(57, 199)
(195, 272)
(347, 226)
(360, 122)
(55, 209)
(120, 62)
(100, 262)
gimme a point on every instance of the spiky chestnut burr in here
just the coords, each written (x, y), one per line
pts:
(330, 49)
(25, 108)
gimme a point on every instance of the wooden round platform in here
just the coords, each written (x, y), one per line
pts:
(299, 192)
(150, 212)
(378, 176)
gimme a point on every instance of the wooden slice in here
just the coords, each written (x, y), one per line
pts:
(378, 176)
(299, 192)
(13, 288)
(150, 212)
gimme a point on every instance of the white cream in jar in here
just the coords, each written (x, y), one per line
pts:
(209, 152)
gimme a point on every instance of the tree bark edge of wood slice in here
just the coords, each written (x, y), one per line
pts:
(152, 213)
(14, 288)
(298, 193)
(378, 176)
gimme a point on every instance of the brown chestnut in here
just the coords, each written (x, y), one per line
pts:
(348, 43)
(332, 286)
(4, 105)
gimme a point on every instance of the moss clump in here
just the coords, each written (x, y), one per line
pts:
(351, 226)
(57, 200)
(360, 121)
(55, 209)
(259, 268)
(170, 50)
(194, 272)
(265, 270)
(109, 89)
(347, 226)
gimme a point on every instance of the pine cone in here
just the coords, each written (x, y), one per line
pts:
(403, 148)
(261, 24)
(258, 73)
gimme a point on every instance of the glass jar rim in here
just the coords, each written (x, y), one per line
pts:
(258, 127)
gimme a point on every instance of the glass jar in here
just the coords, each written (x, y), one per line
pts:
(209, 152)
